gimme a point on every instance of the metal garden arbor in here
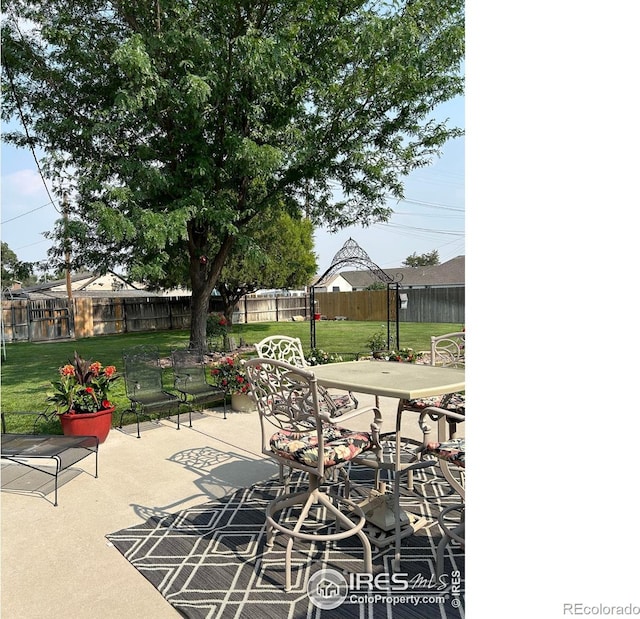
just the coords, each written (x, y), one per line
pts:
(351, 254)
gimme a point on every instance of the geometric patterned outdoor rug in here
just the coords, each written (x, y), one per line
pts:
(209, 561)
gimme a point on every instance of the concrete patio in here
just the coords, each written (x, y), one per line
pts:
(57, 562)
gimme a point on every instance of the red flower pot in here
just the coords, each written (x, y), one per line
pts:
(87, 424)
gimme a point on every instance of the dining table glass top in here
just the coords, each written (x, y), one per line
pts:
(406, 381)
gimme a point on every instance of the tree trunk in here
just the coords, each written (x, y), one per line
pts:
(228, 314)
(199, 313)
(230, 298)
(204, 274)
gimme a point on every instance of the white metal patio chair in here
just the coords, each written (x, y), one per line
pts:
(451, 457)
(289, 349)
(296, 433)
(447, 350)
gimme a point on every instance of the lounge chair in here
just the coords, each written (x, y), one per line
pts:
(36, 451)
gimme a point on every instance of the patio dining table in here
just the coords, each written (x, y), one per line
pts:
(405, 381)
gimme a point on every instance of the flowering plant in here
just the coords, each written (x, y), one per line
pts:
(378, 341)
(217, 325)
(83, 386)
(228, 374)
(404, 354)
(319, 357)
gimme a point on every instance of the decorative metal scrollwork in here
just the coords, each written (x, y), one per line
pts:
(352, 254)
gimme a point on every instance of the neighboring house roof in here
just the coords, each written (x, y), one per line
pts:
(450, 273)
(84, 285)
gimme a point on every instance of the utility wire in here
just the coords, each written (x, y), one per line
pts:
(6, 221)
(440, 205)
(446, 207)
(415, 229)
(26, 130)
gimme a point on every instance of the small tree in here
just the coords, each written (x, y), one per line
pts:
(376, 286)
(423, 260)
(13, 270)
(278, 255)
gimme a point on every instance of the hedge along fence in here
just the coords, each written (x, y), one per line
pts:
(55, 319)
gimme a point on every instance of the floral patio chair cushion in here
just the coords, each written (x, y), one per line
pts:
(450, 401)
(340, 445)
(453, 451)
(341, 403)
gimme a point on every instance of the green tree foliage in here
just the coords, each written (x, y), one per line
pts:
(13, 270)
(179, 123)
(422, 260)
(376, 286)
(278, 254)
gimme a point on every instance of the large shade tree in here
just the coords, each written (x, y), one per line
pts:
(181, 122)
(277, 254)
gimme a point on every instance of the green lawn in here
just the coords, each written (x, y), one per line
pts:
(28, 369)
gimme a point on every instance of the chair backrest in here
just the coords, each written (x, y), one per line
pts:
(188, 365)
(142, 371)
(287, 398)
(448, 350)
(282, 348)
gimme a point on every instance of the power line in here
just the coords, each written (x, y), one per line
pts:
(6, 221)
(24, 123)
(440, 205)
(424, 230)
(31, 244)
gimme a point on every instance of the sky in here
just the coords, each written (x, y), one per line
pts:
(431, 217)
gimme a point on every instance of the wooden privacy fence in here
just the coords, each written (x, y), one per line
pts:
(358, 305)
(54, 319)
(131, 314)
(58, 319)
(36, 320)
(420, 304)
(434, 305)
(271, 308)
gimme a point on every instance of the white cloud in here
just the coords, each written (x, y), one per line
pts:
(24, 183)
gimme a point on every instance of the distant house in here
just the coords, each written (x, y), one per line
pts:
(450, 274)
(87, 285)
